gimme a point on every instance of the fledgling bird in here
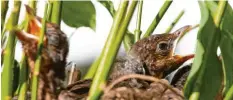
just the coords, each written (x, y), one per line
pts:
(54, 53)
(151, 56)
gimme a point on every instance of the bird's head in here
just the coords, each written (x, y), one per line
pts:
(156, 51)
(55, 44)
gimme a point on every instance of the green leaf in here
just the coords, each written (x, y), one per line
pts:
(226, 42)
(226, 46)
(227, 22)
(229, 95)
(109, 6)
(205, 77)
(79, 13)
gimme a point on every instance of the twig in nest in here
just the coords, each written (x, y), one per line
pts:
(142, 77)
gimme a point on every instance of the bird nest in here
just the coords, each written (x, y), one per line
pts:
(158, 89)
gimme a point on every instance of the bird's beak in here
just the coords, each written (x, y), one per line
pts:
(34, 25)
(181, 31)
(32, 33)
(26, 37)
(178, 60)
(181, 59)
(177, 34)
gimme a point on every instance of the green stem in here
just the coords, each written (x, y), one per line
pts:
(111, 48)
(56, 12)
(229, 95)
(39, 56)
(129, 37)
(32, 4)
(138, 24)
(50, 9)
(157, 19)
(23, 77)
(91, 72)
(128, 40)
(174, 22)
(9, 54)
(4, 8)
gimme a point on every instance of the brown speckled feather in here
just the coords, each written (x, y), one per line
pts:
(54, 55)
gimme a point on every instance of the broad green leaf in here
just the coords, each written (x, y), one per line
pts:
(205, 77)
(229, 95)
(227, 22)
(226, 46)
(109, 6)
(79, 13)
(226, 43)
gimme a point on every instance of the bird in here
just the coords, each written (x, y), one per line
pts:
(152, 56)
(54, 53)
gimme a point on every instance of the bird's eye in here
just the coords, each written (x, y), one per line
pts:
(163, 45)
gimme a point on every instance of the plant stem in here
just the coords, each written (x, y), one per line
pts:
(56, 12)
(32, 4)
(4, 8)
(50, 9)
(111, 48)
(138, 31)
(23, 76)
(174, 22)
(129, 37)
(9, 53)
(91, 72)
(229, 95)
(128, 40)
(157, 19)
(39, 56)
